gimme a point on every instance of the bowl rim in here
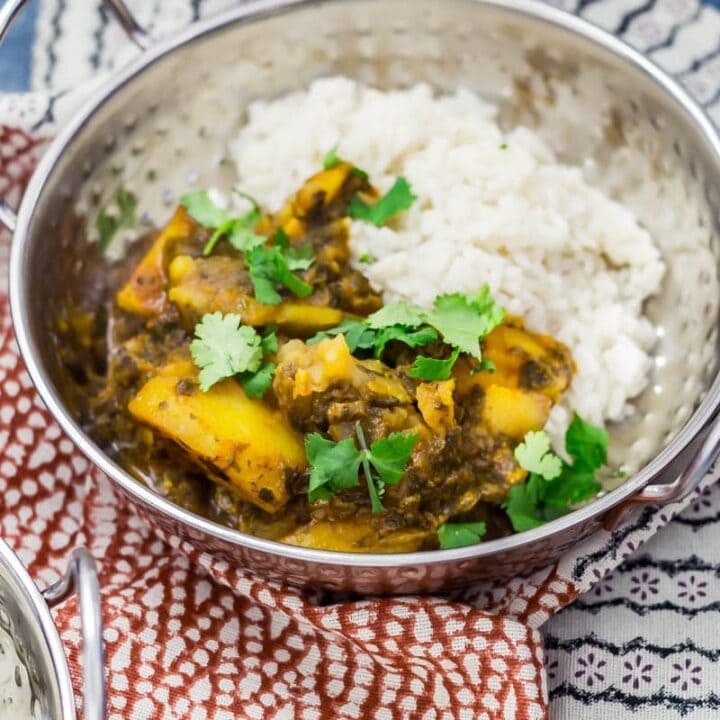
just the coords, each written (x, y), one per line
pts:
(254, 12)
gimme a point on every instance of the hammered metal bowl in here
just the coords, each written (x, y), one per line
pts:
(25, 617)
(164, 123)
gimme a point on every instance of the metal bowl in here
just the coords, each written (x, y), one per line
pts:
(25, 617)
(174, 108)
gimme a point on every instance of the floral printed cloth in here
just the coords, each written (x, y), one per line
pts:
(187, 636)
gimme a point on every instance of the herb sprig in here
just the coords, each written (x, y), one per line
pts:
(108, 224)
(398, 198)
(461, 320)
(239, 231)
(455, 535)
(270, 267)
(223, 347)
(554, 485)
(336, 466)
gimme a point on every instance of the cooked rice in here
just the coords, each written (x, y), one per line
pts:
(493, 208)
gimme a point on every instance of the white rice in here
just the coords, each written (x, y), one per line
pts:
(553, 249)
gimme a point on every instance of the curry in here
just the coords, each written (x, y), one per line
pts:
(248, 371)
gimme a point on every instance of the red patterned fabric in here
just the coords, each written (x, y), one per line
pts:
(187, 636)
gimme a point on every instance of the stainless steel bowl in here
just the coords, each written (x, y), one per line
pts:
(174, 108)
(25, 617)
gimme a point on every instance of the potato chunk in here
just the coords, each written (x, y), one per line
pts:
(354, 535)
(522, 359)
(514, 412)
(436, 405)
(244, 440)
(205, 285)
(145, 292)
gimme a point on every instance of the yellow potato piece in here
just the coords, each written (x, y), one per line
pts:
(514, 412)
(354, 535)
(512, 348)
(436, 405)
(249, 443)
(206, 285)
(145, 292)
(315, 367)
(319, 190)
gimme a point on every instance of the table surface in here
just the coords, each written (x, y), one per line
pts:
(645, 642)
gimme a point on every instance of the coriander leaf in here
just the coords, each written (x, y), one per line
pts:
(485, 364)
(455, 535)
(215, 238)
(367, 258)
(269, 342)
(242, 237)
(569, 488)
(542, 499)
(239, 230)
(223, 347)
(268, 269)
(397, 313)
(334, 466)
(390, 455)
(258, 383)
(127, 203)
(331, 158)
(300, 258)
(463, 320)
(375, 485)
(534, 455)
(522, 509)
(281, 239)
(397, 199)
(400, 333)
(107, 224)
(357, 335)
(586, 444)
(203, 210)
(427, 368)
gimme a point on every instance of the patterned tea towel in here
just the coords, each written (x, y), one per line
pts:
(190, 637)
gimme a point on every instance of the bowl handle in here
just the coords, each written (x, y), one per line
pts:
(684, 484)
(9, 11)
(81, 577)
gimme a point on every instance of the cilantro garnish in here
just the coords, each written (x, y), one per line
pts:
(224, 347)
(485, 364)
(554, 486)
(239, 231)
(400, 197)
(332, 159)
(360, 337)
(269, 269)
(108, 224)
(455, 535)
(367, 259)
(535, 456)
(397, 313)
(427, 368)
(335, 466)
(463, 320)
